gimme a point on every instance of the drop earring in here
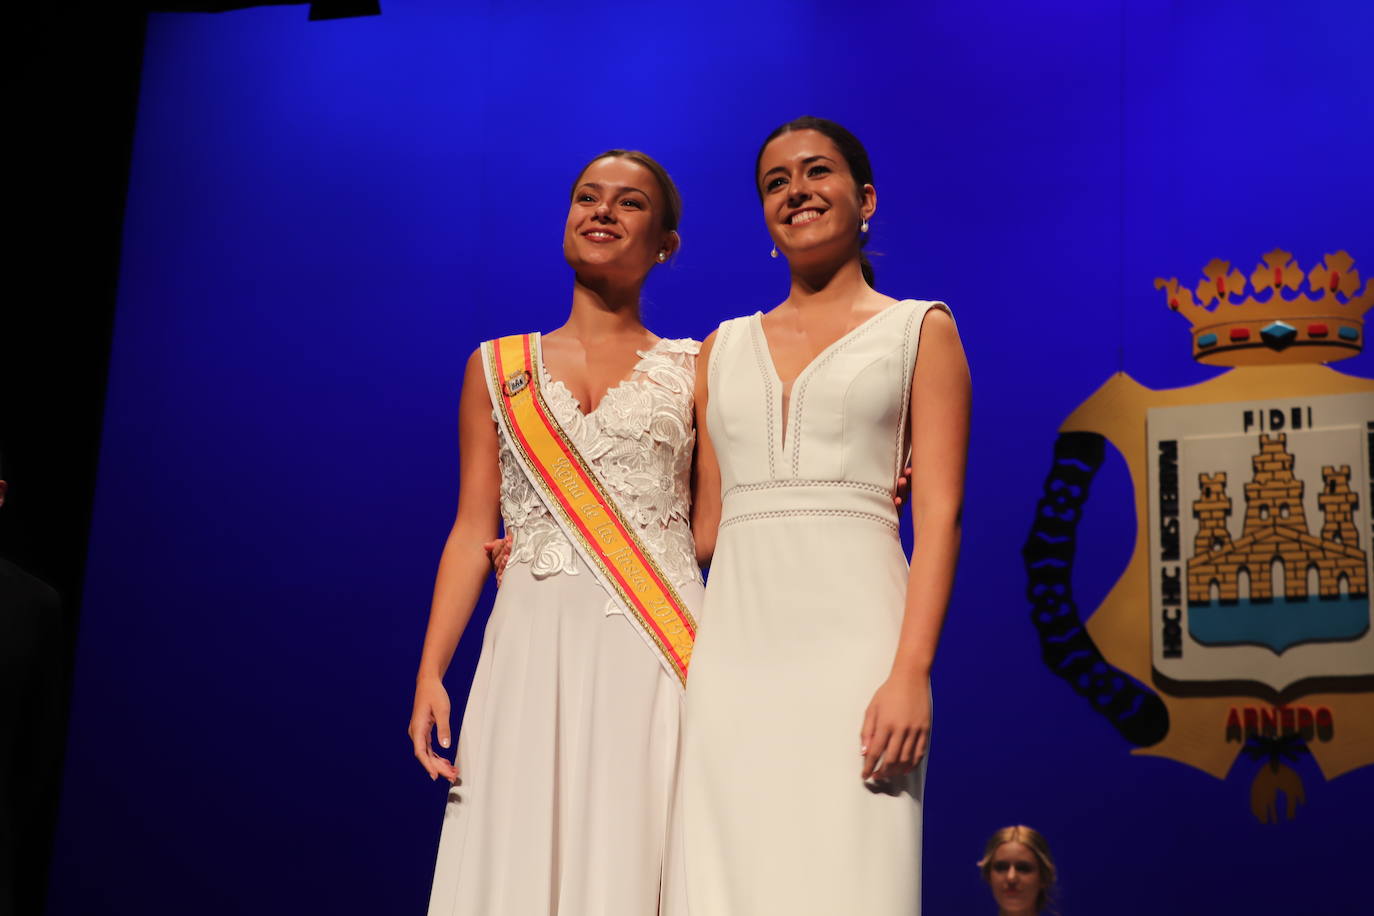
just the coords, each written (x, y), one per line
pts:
(774, 252)
(863, 227)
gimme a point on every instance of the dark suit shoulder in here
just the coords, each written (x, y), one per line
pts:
(21, 590)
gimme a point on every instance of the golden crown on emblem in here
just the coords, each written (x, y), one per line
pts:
(1320, 326)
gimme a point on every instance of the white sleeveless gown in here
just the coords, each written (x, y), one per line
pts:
(804, 605)
(568, 752)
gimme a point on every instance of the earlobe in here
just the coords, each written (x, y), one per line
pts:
(670, 246)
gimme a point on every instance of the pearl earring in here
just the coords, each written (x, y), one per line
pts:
(863, 227)
(774, 252)
(662, 256)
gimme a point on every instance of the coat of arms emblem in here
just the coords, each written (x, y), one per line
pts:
(1243, 625)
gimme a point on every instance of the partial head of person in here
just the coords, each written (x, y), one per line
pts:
(816, 185)
(623, 218)
(1019, 869)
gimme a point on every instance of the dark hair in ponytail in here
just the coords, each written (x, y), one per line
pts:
(672, 200)
(855, 156)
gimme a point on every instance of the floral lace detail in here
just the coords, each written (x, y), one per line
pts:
(638, 441)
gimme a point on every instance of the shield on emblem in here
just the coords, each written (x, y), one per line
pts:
(1257, 522)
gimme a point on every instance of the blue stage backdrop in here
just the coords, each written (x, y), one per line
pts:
(324, 219)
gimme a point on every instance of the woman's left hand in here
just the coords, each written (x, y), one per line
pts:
(902, 488)
(896, 729)
(498, 554)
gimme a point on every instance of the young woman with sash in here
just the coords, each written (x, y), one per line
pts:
(569, 747)
(808, 708)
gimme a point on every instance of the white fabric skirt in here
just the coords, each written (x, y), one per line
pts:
(567, 758)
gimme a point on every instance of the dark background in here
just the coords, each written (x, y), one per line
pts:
(323, 219)
(72, 71)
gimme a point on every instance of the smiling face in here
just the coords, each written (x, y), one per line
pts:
(615, 221)
(1016, 879)
(811, 202)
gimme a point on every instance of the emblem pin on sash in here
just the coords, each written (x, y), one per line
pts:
(516, 382)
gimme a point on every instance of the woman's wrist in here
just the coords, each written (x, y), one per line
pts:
(428, 673)
(915, 669)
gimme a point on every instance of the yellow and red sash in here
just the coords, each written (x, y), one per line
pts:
(578, 503)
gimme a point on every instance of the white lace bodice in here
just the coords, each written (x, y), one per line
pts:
(638, 441)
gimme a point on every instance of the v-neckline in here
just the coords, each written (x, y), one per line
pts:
(785, 392)
(577, 403)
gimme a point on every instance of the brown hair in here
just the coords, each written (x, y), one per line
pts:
(855, 156)
(672, 200)
(1039, 847)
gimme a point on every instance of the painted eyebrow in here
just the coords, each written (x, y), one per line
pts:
(807, 161)
(597, 187)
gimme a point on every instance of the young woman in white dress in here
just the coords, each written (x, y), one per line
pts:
(808, 706)
(568, 753)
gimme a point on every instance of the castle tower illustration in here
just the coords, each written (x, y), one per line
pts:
(1211, 510)
(1338, 505)
(1276, 555)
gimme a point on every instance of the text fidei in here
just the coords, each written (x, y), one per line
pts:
(1276, 419)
